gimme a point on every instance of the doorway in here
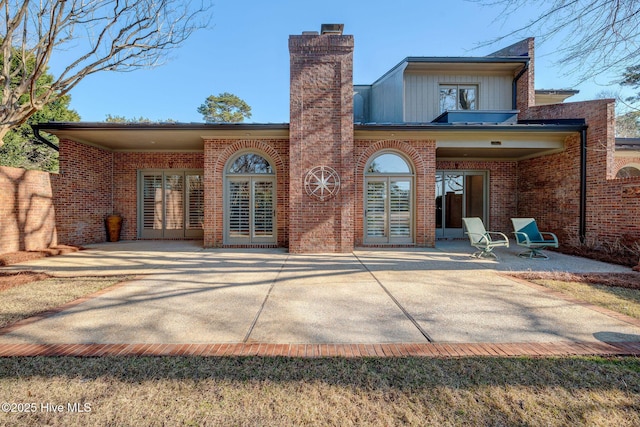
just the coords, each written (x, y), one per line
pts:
(250, 215)
(459, 194)
(170, 204)
(388, 199)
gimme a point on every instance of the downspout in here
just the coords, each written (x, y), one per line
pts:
(514, 86)
(582, 229)
(42, 139)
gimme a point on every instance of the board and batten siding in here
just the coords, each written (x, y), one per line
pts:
(387, 97)
(421, 93)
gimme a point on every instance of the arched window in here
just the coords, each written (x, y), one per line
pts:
(628, 172)
(250, 163)
(388, 199)
(250, 200)
(387, 163)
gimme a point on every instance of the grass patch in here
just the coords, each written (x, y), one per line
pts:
(332, 391)
(617, 292)
(29, 299)
(621, 300)
(618, 280)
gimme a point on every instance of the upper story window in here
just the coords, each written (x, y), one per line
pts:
(458, 97)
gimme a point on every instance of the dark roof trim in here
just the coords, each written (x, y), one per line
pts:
(564, 122)
(628, 144)
(158, 126)
(557, 91)
(467, 60)
(554, 125)
(538, 125)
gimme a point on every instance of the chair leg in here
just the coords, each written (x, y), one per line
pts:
(485, 253)
(533, 253)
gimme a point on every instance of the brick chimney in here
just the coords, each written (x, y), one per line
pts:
(526, 93)
(321, 141)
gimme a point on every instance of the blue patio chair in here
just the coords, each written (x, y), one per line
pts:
(483, 240)
(528, 235)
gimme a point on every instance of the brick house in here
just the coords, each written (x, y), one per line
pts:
(395, 163)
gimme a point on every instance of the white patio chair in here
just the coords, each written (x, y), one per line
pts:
(483, 240)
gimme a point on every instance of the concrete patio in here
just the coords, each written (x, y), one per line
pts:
(184, 295)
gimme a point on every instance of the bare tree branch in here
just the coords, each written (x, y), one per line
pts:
(595, 36)
(105, 35)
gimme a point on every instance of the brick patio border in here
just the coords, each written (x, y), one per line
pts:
(327, 350)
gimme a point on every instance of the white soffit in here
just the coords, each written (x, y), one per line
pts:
(161, 139)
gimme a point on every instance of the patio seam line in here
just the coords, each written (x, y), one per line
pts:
(404, 311)
(264, 302)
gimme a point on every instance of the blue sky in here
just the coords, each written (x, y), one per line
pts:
(245, 52)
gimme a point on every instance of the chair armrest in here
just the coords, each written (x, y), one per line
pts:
(502, 235)
(482, 236)
(526, 238)
(553, 236)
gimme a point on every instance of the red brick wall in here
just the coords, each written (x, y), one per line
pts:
(622, 209)
(525, 88)
(549, 190)
(125, 176)
(422, 155)
(549, 186)
(503, 198)
(620, 162)
(83, 193)
(27, 216)
(321, 134)
(216, 155)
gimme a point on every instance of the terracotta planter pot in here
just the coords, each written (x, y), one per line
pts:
(114, 225)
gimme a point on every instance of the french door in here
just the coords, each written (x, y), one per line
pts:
(388, 210)
(459, 194)
(250, 216)
(170, 204)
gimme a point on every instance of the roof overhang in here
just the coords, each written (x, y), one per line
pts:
(454, 141)
(508, 65)
(627, 147)
(553, 96)
(478, 141)
(160, 136)
(476, 65)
